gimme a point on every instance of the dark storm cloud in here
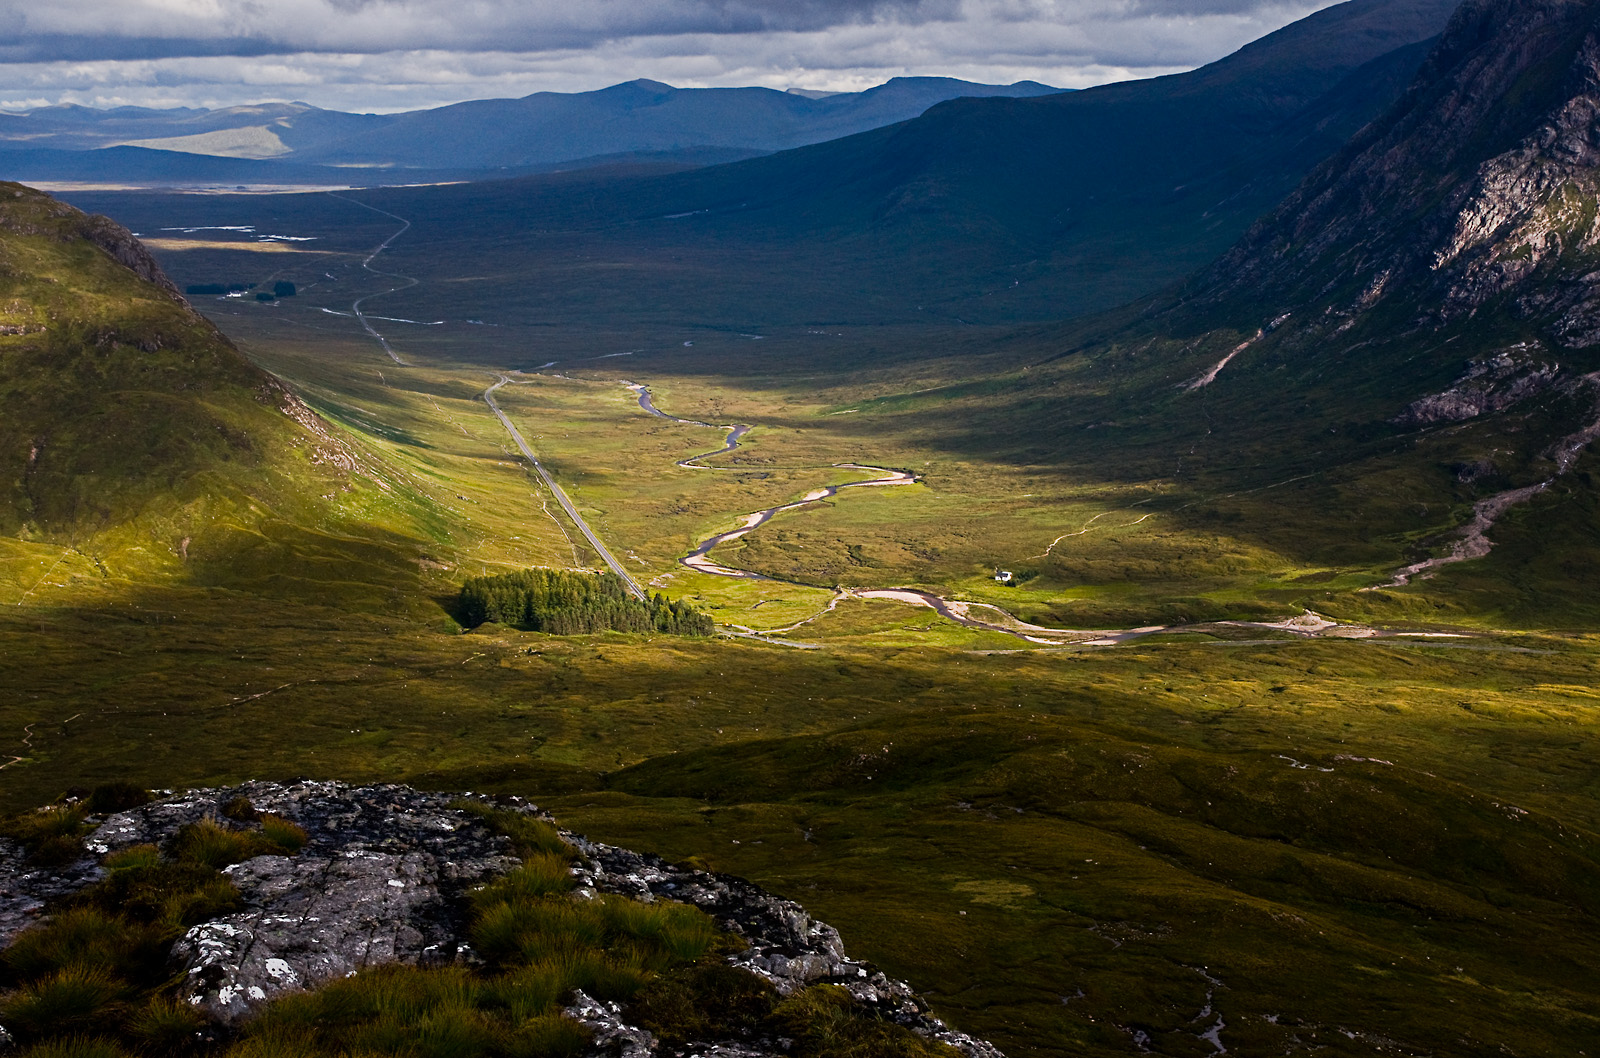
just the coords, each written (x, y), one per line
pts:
(89, 30)
(404, 54)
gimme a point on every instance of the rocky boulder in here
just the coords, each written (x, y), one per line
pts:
(384, 877)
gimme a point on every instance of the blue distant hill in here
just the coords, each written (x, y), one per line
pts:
(639, 122)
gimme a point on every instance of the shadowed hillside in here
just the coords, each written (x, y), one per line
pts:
(138, 438)
(1403, 351)
(980, 210)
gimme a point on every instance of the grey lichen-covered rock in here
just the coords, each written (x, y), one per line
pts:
(786, 945)
(384, 878)
(26, 890)
(1490, 384)
(612, 1035)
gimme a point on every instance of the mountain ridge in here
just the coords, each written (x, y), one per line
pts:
(980, 211)
(1410, 341)
(491, 135)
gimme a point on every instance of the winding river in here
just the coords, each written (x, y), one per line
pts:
(963, 613)
(977, 615)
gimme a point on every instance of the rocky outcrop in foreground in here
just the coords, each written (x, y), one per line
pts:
(384, 878)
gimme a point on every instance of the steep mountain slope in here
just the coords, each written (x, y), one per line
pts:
(980, 210)
(138, 442)
(1405, 351)
(1481, 183)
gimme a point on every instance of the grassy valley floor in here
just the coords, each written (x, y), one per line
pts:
(1062, 849)
(1215, 835)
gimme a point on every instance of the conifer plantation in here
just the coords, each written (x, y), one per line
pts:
(567, 603)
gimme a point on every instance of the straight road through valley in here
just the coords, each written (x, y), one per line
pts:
(561, 497)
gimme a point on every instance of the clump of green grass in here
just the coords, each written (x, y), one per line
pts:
(396, 1010)
(52, 835)
(825, 1022)
(82, 938)
(167, 1026)
(143, 886)
(282, 834)
(76, 1047)
(711, 1000)
(213, 845)
(530, 835)
(541, 874)
(71, 1000)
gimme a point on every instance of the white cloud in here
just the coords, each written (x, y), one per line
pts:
(402, 54)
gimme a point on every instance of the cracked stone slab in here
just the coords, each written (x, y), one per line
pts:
(383, 879)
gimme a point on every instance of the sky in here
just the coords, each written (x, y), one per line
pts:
(389, 55)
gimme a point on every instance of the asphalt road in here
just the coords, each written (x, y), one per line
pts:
(556, 491)
(355, 306)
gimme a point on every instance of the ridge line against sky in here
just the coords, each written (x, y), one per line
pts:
(389, 55)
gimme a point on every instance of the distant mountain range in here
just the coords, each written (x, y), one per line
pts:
(639, 121)
(980, 210)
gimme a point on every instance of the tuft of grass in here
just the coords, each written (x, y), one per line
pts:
(451, 1013)
(86, 939)
(711, 1000)
(212, 845)
(72, 1000)
(664, 931)
(52, 835)
(541, 874)
(527, 992)
(825, 1022)
(531, 836)
(167, 1026)
(76, 1047)
(548, 1036)
(143, 886)
(613, 974)
(285, 836)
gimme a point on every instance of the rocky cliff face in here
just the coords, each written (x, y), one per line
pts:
(24, 211)
(1480, 186)
(385, 877)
